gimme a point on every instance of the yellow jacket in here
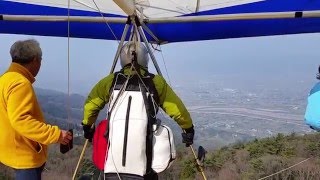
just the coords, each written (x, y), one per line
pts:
(24, 135)
(169, 101)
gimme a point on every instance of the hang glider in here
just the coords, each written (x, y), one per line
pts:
(165, 20)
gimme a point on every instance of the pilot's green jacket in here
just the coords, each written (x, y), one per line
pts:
(168, 100)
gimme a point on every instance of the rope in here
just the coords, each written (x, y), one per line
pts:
(115, 37)
(284, 169)
(68, 98)
(165, 66)
(68, 67)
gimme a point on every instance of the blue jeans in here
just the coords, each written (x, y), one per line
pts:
(29, 174)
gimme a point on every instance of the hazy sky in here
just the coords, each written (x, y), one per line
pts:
(281, 57)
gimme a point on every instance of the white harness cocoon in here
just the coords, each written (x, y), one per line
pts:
(128, 127)
(164, 151)
(135, 160)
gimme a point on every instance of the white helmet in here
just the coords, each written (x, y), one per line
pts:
(126, 56)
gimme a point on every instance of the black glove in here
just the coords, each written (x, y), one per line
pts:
(187, 136)
(88, 131)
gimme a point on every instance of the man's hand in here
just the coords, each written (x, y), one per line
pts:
(88, 132)
(187, 136)
(65, 137)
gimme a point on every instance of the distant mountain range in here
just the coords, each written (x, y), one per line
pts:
(55, 106)
(222, 113)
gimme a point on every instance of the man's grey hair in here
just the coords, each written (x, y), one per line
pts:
(25, 51)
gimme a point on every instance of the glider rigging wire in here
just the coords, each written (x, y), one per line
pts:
(284, 169)
(104, 18)
(68, 66)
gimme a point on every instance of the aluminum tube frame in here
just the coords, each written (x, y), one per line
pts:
(197, 6)
(140, 32)
(182, 19)
(145, 27)
(127, 6)
(115, 60)
(153, 58)
(35, 18)
(231, 17)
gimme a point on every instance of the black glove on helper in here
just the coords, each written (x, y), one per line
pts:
(187, 136)
(88, 132)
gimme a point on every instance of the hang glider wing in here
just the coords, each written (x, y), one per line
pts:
(169, 20)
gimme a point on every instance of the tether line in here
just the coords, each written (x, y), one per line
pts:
(284, 169)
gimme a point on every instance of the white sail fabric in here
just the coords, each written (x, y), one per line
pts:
(150, 8)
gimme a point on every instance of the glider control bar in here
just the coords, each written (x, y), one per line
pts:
(181, 19)
(119, 20)
(230, 17)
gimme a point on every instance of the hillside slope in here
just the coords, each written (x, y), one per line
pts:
(252, 160)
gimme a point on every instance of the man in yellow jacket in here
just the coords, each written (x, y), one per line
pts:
(168, 100)
(24, 134)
